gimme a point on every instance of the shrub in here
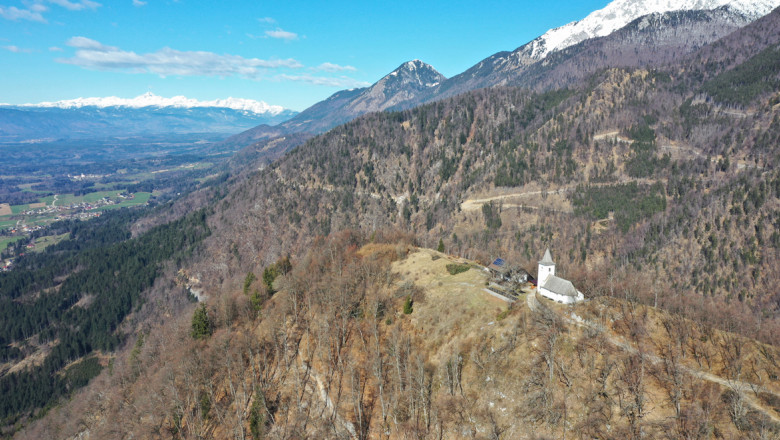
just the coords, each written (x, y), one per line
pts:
(408, 305)
(455, 269)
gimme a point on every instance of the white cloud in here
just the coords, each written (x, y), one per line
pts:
(282, 34)
(330, 67)
(34, 9)
(87, 43)
(91, 54)
(138, 3)
(14, 13)
(78, 5)
(16, 49)
(266, 20)
(342, 81)
(55, 49)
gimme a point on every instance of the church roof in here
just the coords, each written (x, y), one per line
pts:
(560, 286)
(547, 259)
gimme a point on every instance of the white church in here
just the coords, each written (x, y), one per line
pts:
(552, 287)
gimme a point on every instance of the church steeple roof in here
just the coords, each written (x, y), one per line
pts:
(547, 259)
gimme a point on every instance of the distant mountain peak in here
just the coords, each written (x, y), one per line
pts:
(149, 99)
(415, 73)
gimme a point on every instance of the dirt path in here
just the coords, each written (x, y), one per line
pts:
(615, 134)
(474, 204)
(532, 302)
(54, 200)
(740, 387)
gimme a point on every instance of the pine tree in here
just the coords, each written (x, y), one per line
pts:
(441, 246)
(201, 325)
(408, 306)
(250, 278)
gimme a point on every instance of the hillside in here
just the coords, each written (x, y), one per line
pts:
(543, 160)
(333, 354)
(325, 315)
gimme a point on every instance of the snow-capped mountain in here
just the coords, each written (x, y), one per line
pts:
(629, 25)
(145, 115)
(149, 99)
(619, 13)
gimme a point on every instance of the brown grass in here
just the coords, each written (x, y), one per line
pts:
(5, 209)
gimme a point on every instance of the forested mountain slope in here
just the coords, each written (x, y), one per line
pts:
(576, 151)
(378, 339)
(657, 190)
(649, 41)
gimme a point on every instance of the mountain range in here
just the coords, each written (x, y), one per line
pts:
(144, 115)
(645, 159)
(626, 33)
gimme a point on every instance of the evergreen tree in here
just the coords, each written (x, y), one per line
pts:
(408, 306)
(441, 246)
(250, 278)
(201, 325)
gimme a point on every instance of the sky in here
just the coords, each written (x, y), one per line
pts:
(284, 52)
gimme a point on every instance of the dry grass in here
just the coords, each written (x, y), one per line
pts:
(5, 209)
(454, 304)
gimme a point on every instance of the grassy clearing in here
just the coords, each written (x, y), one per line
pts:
(42, 243)
(7, 224)
(16, 209)
(140, 199)
(70, 199)
(5, 241)
(449, 301)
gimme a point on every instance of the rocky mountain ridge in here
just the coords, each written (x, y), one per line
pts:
(400, 88)
(626, 33)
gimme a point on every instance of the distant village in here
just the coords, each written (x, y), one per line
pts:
(85, 206)
(80, 211)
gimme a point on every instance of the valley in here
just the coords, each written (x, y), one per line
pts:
(380, 265)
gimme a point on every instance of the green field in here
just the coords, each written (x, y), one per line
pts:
(27, 187)
(5, 241)
(70, 199)
(7, 223)
(42, 243)
(140, 199)
(16, 209)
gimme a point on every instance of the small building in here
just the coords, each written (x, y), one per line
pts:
(503, 272)
(498, 268)
(553, 287)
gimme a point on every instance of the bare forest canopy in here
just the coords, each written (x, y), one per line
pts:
(327, 316)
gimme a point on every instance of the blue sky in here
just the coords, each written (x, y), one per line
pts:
(290, 53)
